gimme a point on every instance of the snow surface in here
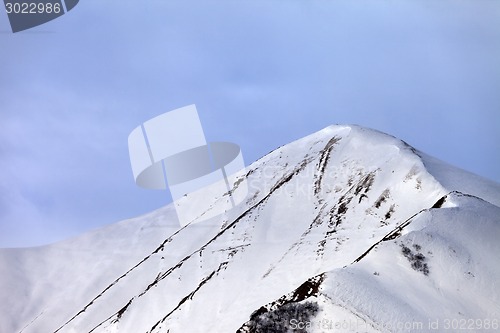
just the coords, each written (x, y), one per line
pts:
(342, 204)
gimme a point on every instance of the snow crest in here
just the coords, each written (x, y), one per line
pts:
(376, 233)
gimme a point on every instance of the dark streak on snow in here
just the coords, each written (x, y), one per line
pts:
(189, 296)
(389, 212)
(382, 198)
(365, 184)
(323, 161)
(396, 232)
(440, 202)
(122, 311)
(338, 211)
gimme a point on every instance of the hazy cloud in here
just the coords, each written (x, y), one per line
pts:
(262, 73)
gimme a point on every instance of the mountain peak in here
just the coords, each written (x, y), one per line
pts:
(346, 223)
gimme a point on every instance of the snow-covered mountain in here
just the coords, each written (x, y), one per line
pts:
(346, 230)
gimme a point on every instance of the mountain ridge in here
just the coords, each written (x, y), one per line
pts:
(343, 189)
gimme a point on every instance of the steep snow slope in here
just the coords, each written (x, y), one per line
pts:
(57, 276)
(322, 215)
(438, 272)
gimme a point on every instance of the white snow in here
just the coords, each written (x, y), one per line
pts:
(316, 205)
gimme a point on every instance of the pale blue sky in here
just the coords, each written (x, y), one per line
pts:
(262, 73)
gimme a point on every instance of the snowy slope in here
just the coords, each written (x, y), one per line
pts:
(459, 285)
(337, 218)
